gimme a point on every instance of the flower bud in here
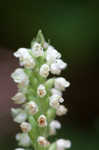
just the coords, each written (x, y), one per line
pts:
(41, 91)
(42, 121)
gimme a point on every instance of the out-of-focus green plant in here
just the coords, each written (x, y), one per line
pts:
(39, 96)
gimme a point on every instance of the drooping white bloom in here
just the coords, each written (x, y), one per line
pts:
(54, 68)
(15, 111)
(25, 127)
(20, 77)
(52, 54)
(21, 117)
(42, 141)
(18, 136)
(24, 140)
(55, 101)
(20, 52)
(41, 91)
(25, 58)
(62, 110)
(53, 126)
(56, 92)
(57, 66)
(19, 98)
(61, 83)
(62, 65)
(42, 121)
(19, 149)
(37, 50)
(62, 144)
(32, 108)
(44, 70)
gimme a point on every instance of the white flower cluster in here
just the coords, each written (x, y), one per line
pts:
(38, 95)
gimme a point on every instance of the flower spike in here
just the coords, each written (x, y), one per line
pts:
(40, 97)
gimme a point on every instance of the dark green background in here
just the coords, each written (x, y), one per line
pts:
(73, 28)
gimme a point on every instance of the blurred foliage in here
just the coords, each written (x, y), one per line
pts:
(71, 25)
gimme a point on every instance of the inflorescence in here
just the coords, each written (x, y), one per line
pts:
(40, 98)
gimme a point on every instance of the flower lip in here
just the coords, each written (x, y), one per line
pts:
(42, 121)
(42, 141)
(41, 91)
(25, 127)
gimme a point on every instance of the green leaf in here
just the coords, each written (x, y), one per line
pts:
(51, 113)
(52, 147)
(49, 83)
(34, 132)
(40, 37)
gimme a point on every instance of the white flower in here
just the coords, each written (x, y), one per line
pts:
(24, 140)
(62, 65)
(62, 144)
(62, 110)
(53, 126)
(55, 101)
(42, 141)
(52, 54)
(54, 68)
(20, 52)
(25, 127)
(19, 149)
(41, 91)
(44, 70)
(15, 111)
(56, 92)
(18, 136)
(25, 58)
(19, 98)
(37, 50)
(21, 117)
(20, 77)
(32, 108)
(61, 83)
(42, 121)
